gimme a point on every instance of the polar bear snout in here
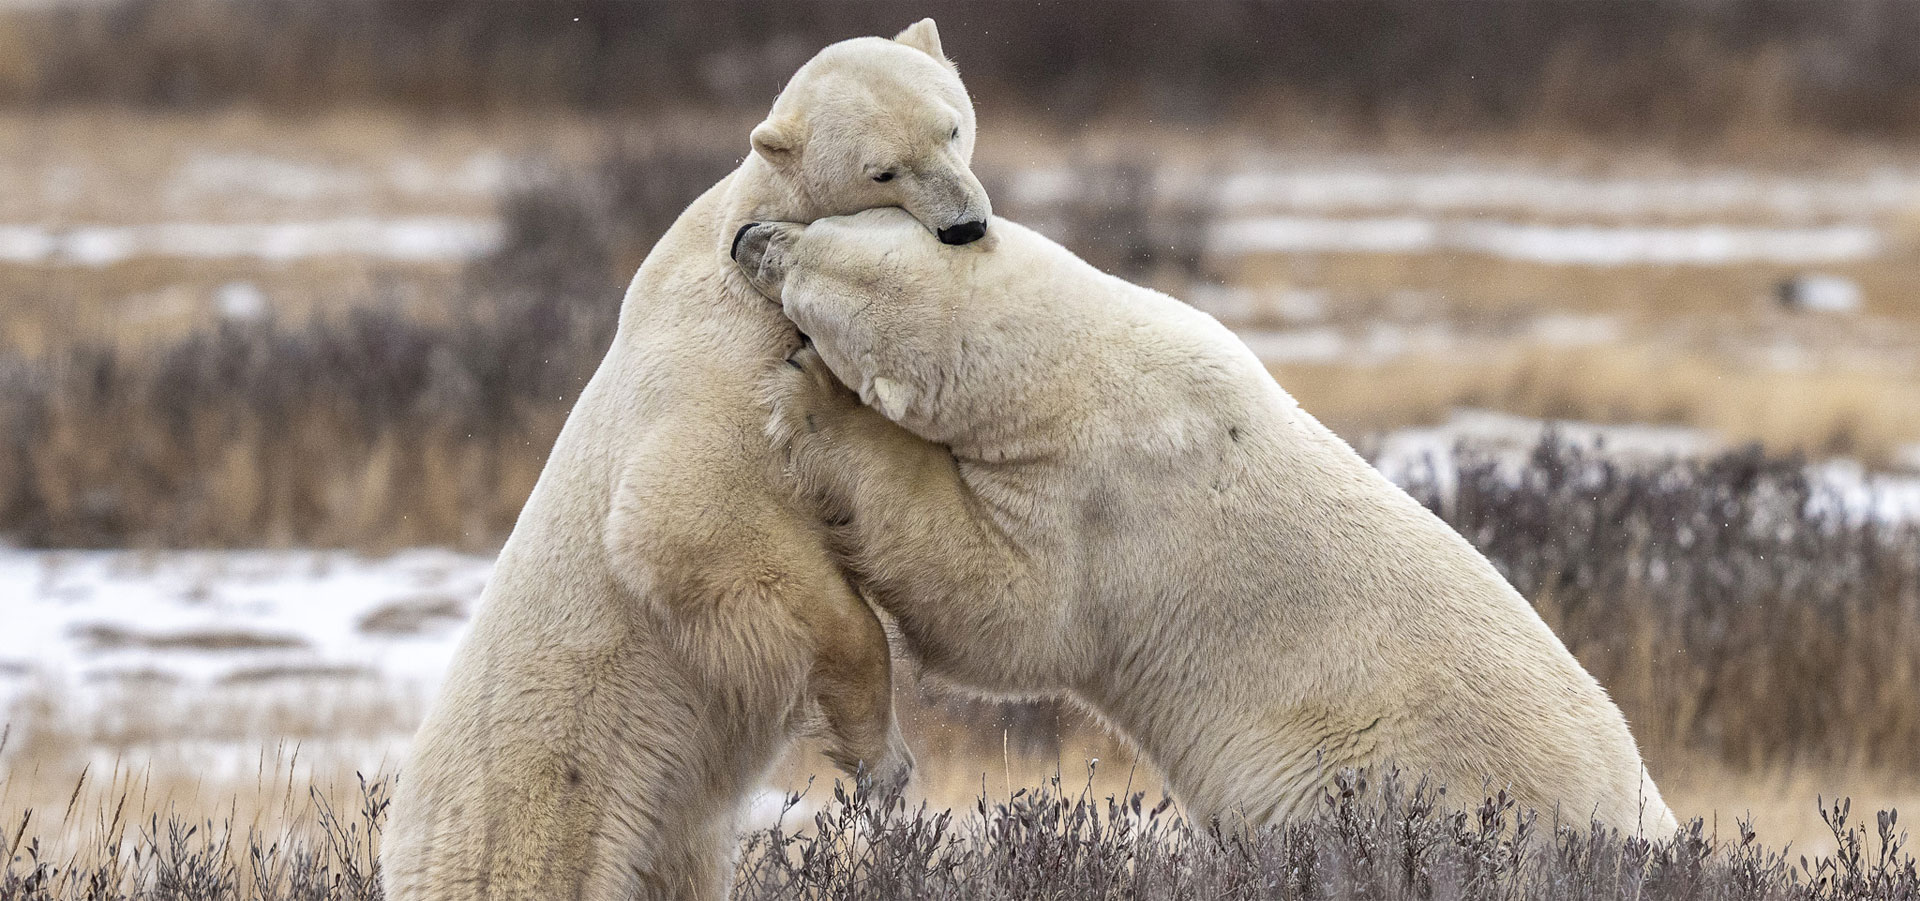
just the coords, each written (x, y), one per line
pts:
(763, 251)
(734, 251)
(963, 233)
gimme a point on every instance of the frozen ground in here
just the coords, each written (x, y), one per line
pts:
(1381, 341)
(210, 655)
(1580, 244)
(406, 240)
(1839, 484)
(1353, 204)
(1527, 212)
(1433, 185)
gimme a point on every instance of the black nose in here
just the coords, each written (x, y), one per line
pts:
(964, 233)
(734, 251)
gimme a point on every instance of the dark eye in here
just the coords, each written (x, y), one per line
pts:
(884, 177)
(956, 134)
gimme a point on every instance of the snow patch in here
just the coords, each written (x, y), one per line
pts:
(1404, 454)
(1842, 486)
(87, 620)
(1907, 456)
(1383, 341)
(1816, 292)
(241, 301)
(257, 175)
(415, 240)
(1556, 245)
(1365, 183)
(1375, 184)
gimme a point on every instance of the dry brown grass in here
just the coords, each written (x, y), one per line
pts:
(1691, 335)
(1865, 413)
(93, 165)
(143, 303)
(106, 636)
(1377, 835)
(958, 764)
(313, 477)
(1465, 287)
(412, 616)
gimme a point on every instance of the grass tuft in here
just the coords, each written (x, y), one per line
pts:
(1388, 839)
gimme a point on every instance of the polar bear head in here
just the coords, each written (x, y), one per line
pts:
(913, 326)
(871, 123)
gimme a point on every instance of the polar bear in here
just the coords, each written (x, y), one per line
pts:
(664, 617)
(1063, 483)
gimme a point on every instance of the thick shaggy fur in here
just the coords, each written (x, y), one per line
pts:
(663, 618)
(1075, 485)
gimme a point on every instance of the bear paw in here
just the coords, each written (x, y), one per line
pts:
(804, 398)
(885, 779)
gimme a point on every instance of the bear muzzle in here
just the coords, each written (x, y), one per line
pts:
(762, 251)
(734, 251)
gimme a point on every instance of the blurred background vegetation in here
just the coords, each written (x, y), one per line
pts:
(1684, 70)
(330, 272)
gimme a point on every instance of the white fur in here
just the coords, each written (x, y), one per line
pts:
(1094, 490)
(663, 619)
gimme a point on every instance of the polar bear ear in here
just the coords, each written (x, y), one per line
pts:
(924, 36)
(776, 139)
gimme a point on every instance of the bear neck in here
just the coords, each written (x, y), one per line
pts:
(692, 265)
(760, 193)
